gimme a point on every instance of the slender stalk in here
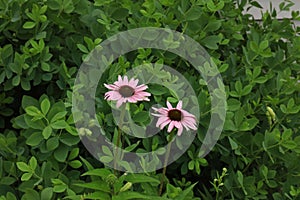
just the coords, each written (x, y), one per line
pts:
(121, 121)
(166, 162)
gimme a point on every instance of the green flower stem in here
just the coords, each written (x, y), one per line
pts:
(166, 161)
(121, 121)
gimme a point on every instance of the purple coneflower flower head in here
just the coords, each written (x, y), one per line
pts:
(175, 117)
(124, 91)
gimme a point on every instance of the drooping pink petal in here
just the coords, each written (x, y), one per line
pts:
(189, 124)
(133, 99)
(171, 126)
(119, 103)
(187, 114)
(178, 125)
(185, 126)
(112, 95)
(179, 132)
(161, 120)
(142, 93)
(162, 125)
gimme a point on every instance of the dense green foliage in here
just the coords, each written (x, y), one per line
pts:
(42, 45)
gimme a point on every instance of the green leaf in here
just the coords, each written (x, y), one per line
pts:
(16, 80)
(55, 109)
(58, 116)
(47, 193)
(25, 85)
(240, 178)
(31, 194)
(45, 67)
(238, 87)
(33, 163)
(290, 104)
(59, 188)
(211, 42)
(233, 144)
(193, 13)
(61, 153)
(213, 7)
(61, 124)
(47, 132)
(82, 48)
(95, 185)
(68, 6)
(35, 124)
(191, 165)
(127, 195)
(52, 143)
(29, 25)
(33, 111)
(107, 151)
(45, 106)
(133, 146)
(264, 170)
(233, 104)
(158, 90)
(289, 144)
(246, 90)
(283, 108)
(34, 139)
(263, 45)
(238, 36)
(73, 154)
(26, 176)
(140, 178)
(106, 159)
(120, 13)
(254, 47)
(184, 194)
(75, 164)
(7, 180)
(23, 167)
(213, 25)
(252, 123)
(69, 140)
(98, 172)
(141, 116)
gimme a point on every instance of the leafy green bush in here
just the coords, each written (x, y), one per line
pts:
(42, 46)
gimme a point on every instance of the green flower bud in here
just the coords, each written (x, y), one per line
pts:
(271, 113)
(127, 186)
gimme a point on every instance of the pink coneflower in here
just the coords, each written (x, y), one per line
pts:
(124, 91)
(175, 117)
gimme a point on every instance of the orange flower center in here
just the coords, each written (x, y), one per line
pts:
(126, 91)
(175, 115)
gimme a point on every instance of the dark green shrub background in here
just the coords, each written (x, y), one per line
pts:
(43, 43)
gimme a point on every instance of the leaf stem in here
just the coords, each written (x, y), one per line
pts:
(121, 121)
(166, 162)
